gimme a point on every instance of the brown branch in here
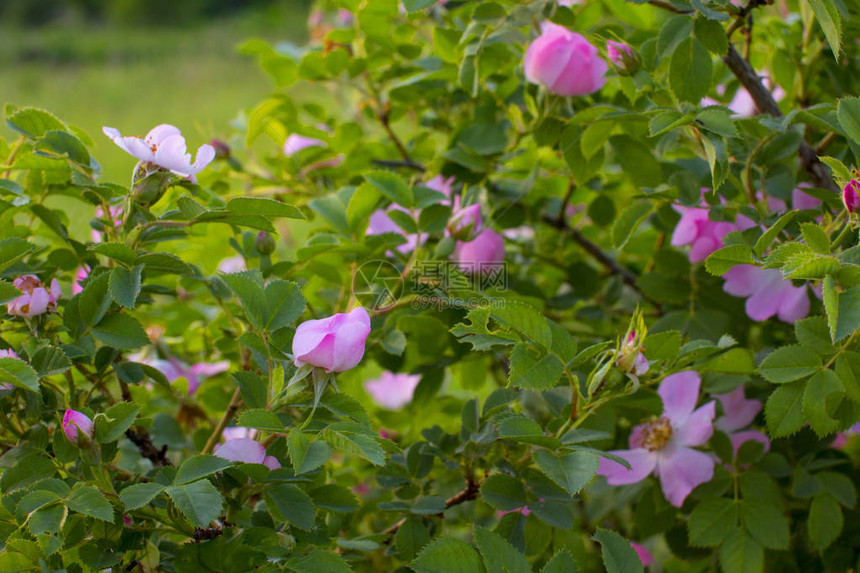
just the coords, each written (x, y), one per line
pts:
(235, 402)
(765, 103)
(140, 437)
(743, 13)
(468, 493)
(407, 164)
(629, 277)
(386, 124)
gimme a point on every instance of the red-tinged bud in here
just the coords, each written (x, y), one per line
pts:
(851, 196)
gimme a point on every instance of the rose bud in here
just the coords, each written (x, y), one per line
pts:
(265, 243)
(851, 196)
(624, 59)
(77, 427)
(482, 254)
(222, 149)
(465, 223)
(631, 358)
(335, 344)
(564, 63)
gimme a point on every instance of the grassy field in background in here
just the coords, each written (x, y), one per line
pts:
(134, 79)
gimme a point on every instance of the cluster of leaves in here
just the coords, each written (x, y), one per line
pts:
(492, 465)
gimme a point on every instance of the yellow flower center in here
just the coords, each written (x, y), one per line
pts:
(656, 434)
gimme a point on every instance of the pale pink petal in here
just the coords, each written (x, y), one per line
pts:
(642, 552)
(206, 369)
(271, 462)
(794, 303)
(699, 426)
(392, 391)
(741, 280)
(642, 463)
(161, 132)
(739, 438)
(681, 470)
(39, 301)
(243, 450)
(739, 412)
(702, 247)
(205, 155)
(679, 392)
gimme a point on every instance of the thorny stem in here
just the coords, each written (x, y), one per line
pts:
(468, 493)
(222, 423)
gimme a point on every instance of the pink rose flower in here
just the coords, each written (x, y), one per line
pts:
(36, 298)
(77, 426)
(77, 283)
(173, 369)
(564, 63)
(850, 196)
(392, 391)
(247, 451)
(442, 185)
(335, 344)
(482, 254)
(234, 264)
(645, 556)
(842, 437)
(702, 234)
(164, 147)
(767, 292)
(232, 432)
(665, 446)
(801, 200)
(739, 413)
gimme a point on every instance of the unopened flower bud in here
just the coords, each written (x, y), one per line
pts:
(222, 150)
(851, 196)
(465, 223)
(624, 59)
(77, 427)
(631, 358)
(265, 243)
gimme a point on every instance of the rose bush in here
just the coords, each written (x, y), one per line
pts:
(504, 294)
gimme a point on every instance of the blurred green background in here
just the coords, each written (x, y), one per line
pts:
(132, 64)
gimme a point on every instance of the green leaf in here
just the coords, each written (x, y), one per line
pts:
(504, 492)
(561, 562)
(825, 521)
(8, 292)
(334, 498)
(305, 455)
(662, 345)
(840, 487)
(248, 288)
(430, 505)
(268, 208)
(722, 260)
(812, 332)
(712, 521)
(526, 371)
(765, 523)
(690, 70)
(618, 555)
(261, 419)
(253, 388)
(448, 555)
(571, 471)
(818, 392)
(125, 285)
(111, 425)
(18, 373)
(392, 186)
(638, 162)
(199, 501)
(120, 331)
(763, 242)
(526, 430)
(140, 494)
(789, 363)
(718, 159)
(830, 297)
(741, 554)
(357, 444)
(57, 144)
(200, 466)
(410, 538)
(90, 501)
(830, 21)
(712, 34)
(163, 263)
(286, 502)
(319, 561)
(12, 250)
(94, 302)
(627, 223)
(498, 553)
(31, 121)
(848, 313)
(285, 303)
(816, 238)
(784, 410)
(49, 360)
